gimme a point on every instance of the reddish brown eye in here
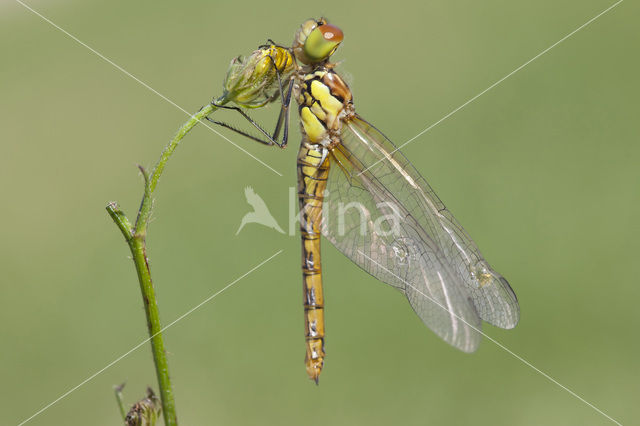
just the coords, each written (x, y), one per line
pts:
(322, 42)
(331, 33)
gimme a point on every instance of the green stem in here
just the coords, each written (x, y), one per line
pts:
(136, 239)
(118, 392)
(145, 208)
(138, 250)
(120, 220)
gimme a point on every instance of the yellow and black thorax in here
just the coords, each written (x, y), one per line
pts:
(324, 99)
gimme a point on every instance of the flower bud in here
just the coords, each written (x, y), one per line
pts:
(252, 82)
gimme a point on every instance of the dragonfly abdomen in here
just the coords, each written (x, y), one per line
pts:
(323, 98)
(313, 171)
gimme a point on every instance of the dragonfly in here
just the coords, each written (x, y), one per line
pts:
(389, 220)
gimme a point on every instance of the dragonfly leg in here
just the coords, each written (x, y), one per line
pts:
(283, 117)
(268, 141)
(270, 43)
(245, 134)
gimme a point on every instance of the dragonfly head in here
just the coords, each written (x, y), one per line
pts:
(316, 40)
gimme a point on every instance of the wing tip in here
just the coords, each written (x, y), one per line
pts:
(506, 314)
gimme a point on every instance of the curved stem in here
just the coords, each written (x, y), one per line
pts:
(152, 181)
(136, 239)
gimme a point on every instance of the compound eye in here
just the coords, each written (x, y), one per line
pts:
(331, 33)
(322, 42)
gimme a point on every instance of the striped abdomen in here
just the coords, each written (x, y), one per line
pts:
(322, 97)
(313, 171)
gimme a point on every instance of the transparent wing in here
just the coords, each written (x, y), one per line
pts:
(375, 174)
(363, 220)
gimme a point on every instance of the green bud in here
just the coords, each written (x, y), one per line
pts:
(252, 82)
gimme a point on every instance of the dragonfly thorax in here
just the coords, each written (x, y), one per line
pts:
(324, 101)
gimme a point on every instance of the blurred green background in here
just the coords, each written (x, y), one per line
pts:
(542, 171)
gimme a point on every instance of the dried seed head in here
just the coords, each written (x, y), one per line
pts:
(144, 412)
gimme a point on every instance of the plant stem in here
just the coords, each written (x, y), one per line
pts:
(118, 392)
(145, 208)
(136, 239)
